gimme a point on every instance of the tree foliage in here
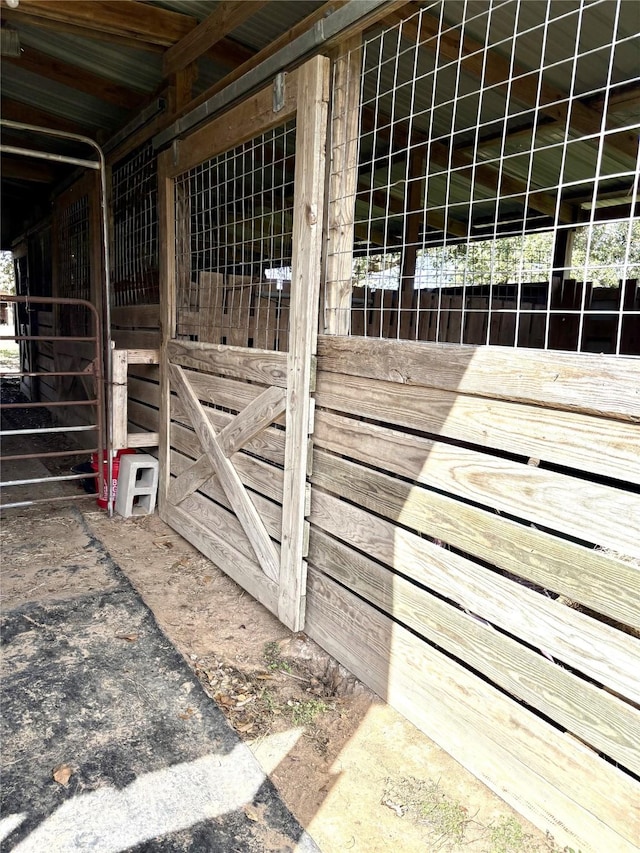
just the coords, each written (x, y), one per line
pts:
(7, 275)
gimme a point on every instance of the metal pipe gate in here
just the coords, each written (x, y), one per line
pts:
(25, 438)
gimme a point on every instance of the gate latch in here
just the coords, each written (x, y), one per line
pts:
(278, 92)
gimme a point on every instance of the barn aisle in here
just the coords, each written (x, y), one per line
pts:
(108, 740)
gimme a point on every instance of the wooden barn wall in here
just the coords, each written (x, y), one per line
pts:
(474, 557)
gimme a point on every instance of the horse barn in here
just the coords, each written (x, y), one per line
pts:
(364, 278)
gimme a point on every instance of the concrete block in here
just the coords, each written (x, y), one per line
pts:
(137, 485)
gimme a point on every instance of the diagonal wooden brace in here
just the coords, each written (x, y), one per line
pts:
(233, 487)
(246, 425)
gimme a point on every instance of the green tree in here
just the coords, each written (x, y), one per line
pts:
(7, 275)
(599, 253)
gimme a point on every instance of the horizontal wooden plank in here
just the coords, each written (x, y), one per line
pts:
(143, 439)
(143, 392)
(138, 339)
(270, 512)
(596, 384)
(243, 571)
(252, 116)
(598, 650)
(264, 366)
(571, 439)
(586, 576)
(136, 316)
(142, 416)
(598, 514)
(150, 372)
(254, 473)
(550, 778)
(591, 713)
(143, 356)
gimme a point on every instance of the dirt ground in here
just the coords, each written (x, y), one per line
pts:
(355, 774)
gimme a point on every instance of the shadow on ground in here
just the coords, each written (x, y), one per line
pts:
(92, 689)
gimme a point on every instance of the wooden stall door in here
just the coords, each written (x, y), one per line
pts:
(246, 511)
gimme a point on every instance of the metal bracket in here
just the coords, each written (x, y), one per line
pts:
(278, 92)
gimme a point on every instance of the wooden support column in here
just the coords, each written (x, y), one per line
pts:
(167, 264)
(181, 87)
(343, 178)
(413, 219)
(562, 252)
(313, 89)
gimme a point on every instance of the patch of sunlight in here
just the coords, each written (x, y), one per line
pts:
(9, 823)
(155, 804)
(270, 750)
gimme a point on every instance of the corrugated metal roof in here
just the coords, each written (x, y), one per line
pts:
(60, 100)
(139, 70)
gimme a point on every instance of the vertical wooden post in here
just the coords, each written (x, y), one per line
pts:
(119, 401)
(413, 220)
(343, 179)
(311, 130)
(167, 264)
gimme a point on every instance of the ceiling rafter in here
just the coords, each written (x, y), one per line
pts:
(285, 39)
(227, 16)
(24, 169)
(77, 78)
(129, 19)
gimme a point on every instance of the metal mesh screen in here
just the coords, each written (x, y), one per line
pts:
(74, 264)
(234, 219)
(135, 277)
(497, 188)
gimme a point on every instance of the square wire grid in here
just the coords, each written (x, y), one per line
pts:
(134, 192)
(496, 198)
(234, 224)
(74, 265)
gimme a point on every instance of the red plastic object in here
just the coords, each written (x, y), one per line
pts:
(115, 469)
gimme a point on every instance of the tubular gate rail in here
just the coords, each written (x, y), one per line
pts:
(20, 442)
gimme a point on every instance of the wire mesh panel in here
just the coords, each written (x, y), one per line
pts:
(135, 229)
(234, 220)
(74, 264)
(496, 199)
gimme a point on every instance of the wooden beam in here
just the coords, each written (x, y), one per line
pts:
(25, 169)
(226, 17)
(285, 39)
(311, 122)
(602, 385)
(343, 185)
(19, 111)
(119, 419)
(77, 78)
(253, 419)
(139, 22)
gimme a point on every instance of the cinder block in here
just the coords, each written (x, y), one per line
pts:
(137, 485)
